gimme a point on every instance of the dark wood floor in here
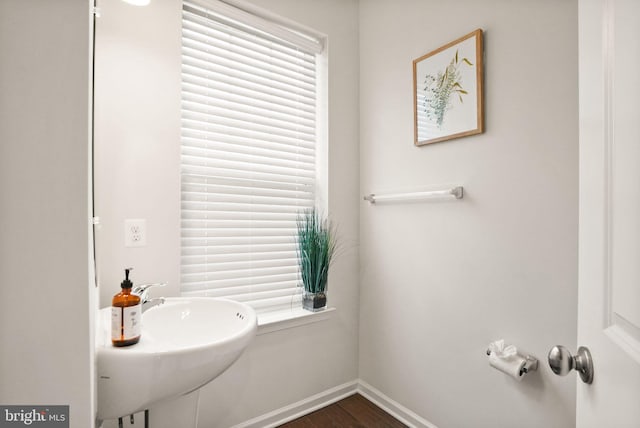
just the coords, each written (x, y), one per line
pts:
(352, 412)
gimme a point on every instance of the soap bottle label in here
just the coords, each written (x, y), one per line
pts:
(126, 322)
(131, 320)
(116, 323)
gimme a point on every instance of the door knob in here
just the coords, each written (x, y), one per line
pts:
(562, 362)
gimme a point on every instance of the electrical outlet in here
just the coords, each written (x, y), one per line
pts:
(135, 232)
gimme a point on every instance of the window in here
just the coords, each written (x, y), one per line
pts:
(248, 153)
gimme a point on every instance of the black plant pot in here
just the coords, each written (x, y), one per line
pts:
(314, 302)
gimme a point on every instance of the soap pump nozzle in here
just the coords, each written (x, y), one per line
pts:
(126, 283)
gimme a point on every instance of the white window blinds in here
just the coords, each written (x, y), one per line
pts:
(248, 153)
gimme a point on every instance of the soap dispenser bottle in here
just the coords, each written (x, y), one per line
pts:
(126, 315)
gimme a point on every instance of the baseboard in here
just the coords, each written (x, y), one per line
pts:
(302, 407)
(392, 407)
(330, 396)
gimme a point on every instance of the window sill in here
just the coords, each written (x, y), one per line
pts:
(290, 318)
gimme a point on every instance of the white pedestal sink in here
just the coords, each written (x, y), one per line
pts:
(185, 343)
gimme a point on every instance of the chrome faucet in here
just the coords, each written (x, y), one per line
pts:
(143, 293)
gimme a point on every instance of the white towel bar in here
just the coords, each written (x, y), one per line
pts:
(455, 192)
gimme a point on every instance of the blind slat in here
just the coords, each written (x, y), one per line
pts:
(203, 138)
(201, 284)
(211, 82)
(237, 251)
(234, 104)
(217, 152)
(199, 259)
(190, 121)
(245, 123)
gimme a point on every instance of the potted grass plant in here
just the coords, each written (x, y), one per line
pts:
(316, 247)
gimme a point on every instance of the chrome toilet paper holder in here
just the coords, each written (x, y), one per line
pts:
(530, 364)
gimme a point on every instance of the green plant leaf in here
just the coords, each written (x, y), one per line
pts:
(467, 61)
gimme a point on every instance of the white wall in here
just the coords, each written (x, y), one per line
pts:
(46, 294)
(439, 281)
(137, 176)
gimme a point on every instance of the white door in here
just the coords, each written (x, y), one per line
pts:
(609, 264)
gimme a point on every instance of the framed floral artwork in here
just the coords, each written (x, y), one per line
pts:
(447, 91)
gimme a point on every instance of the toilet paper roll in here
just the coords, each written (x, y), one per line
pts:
(511, 366)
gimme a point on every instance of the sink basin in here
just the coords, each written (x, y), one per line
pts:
(186, 343)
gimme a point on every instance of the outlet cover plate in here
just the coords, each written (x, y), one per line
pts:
(135, 232)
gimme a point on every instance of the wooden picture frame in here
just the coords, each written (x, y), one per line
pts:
(448, 96)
